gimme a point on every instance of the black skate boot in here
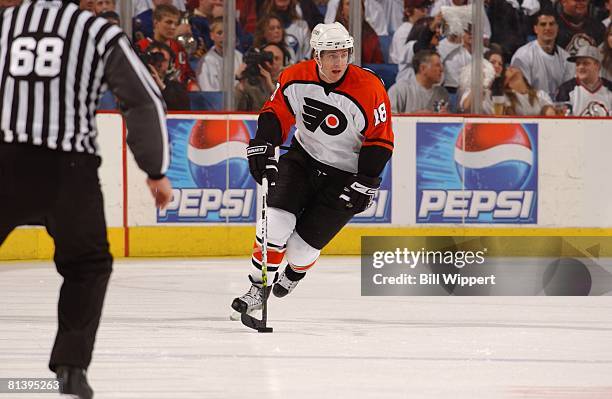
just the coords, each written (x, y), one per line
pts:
(73, 382)
(287, 282)
(251, 301)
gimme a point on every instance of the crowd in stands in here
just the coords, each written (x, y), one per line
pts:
(542, 57)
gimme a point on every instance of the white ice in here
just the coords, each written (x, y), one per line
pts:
(165, 333)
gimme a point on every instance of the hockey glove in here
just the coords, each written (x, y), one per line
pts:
(359, 192)
(262, 161)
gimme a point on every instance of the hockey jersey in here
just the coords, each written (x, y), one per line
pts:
(334, 121)
(585, 102)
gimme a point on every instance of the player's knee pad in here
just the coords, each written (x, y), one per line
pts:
(300, 255)
(280, 226)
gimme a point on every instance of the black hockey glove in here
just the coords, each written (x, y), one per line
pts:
(358, 193)
(262, 161)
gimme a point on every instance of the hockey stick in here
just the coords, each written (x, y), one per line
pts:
(247, 319)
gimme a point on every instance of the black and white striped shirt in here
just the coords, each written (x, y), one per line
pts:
(55, 62)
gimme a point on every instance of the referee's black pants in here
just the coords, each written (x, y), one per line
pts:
(62, 190)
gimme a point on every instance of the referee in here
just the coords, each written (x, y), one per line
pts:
(55, 61)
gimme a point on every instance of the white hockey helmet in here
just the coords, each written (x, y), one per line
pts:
(330, 37)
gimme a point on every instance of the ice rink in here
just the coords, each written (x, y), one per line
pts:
(165, 333)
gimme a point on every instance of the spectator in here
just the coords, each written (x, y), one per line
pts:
(165, 22)
(297, 34)
(247, 15)
(413, 11)
(520, 98)
(576, 28)
(421, 93)
(542, 62)
(140, 6)
(371, 52)
(394, 14)
(200, 21)
(253, 91)
(111, 16)
(374, 14)
(455, 56)
(606, 51)
(424, 35)
(160, 61)
(89, 5)
(511, 26)
(9, 3)
(310, 13)
(270, 30)
(210, 68)
(588, 94)
(488, 77)
(437, 8)
(200, 26)
(142, 24)
(104, 5)
(496, 57)
(606, 22)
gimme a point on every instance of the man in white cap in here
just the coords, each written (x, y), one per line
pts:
(588, 94)
(341, 145)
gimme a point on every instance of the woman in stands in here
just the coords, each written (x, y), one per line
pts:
(270, 30)
(520, 97)
(297, 34)
(371, 52)
(495, 56)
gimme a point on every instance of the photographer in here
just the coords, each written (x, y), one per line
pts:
(159, 58)
(258, 76)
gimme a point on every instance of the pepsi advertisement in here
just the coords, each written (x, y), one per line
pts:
(477, 173)
(209, 172)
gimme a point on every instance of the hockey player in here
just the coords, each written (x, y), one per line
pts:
(342, 143)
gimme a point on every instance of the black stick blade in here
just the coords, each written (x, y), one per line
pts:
(254, 323)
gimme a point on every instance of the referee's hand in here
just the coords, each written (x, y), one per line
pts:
(161, 190)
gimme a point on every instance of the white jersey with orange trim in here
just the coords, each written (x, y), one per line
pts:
(333, 121)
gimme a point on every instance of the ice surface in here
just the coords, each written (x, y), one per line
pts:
(165, 333)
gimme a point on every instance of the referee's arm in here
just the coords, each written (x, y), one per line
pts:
(142, 106)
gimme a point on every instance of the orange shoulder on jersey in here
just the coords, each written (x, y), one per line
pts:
(278, 105)
(368, 90)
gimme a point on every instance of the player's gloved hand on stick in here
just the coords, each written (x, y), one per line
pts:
(359, 192)
(262, 161)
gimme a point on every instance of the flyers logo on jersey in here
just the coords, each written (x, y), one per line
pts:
(319, 114)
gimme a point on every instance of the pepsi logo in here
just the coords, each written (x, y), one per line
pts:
(493, 156)
(217, 148)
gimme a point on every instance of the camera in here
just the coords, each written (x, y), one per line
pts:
(154, 59)
(253, 58)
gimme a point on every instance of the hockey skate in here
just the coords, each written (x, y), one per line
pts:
(287, 282)
(74, 383)
(249, 302)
